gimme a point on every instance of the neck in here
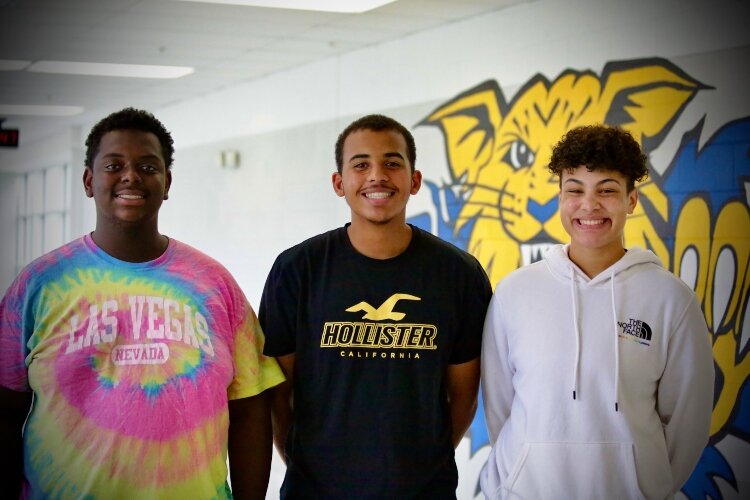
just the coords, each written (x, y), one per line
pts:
(380, 241)
(593, 261)
(130, 244)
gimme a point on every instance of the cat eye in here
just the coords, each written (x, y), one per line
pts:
(519, 155)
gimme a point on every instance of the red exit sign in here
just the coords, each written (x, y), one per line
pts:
(9, 138)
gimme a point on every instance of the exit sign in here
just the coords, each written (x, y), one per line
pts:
(9, 138)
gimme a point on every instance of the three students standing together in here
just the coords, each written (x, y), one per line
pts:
(147, 365)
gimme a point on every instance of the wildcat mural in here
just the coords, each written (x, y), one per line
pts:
(501, 205)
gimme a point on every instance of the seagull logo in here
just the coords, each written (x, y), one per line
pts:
(385, 311)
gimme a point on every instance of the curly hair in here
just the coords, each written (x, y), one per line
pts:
(129, 119)
(376, 123)
(600, 147)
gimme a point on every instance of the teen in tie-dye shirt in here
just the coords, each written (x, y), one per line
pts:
(143, 354)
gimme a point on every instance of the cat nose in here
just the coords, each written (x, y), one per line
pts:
(544, 212)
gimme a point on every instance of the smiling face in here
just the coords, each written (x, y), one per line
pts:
(128, 179)
(376, 178)
(593, 209)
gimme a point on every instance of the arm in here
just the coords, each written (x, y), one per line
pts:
(250, 446)
(278, 316)
(282, 405)
(497, 376)
(685, 394)
(463, 385)
(14, 407)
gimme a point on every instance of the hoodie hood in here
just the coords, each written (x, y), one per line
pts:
(563, 268)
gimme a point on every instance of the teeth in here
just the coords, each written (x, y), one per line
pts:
(533, 252)
(591, 222)
(130, 196)
(378, 195)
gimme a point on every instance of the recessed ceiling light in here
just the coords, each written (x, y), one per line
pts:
(13, 64)
(110, 69)
(35, 110)
(350, 6)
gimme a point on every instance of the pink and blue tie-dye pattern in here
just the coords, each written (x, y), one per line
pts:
(132, 366)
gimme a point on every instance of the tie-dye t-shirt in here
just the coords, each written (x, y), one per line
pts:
(131, 366)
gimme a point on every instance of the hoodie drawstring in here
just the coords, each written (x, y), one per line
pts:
(576, 330)
(617, 346)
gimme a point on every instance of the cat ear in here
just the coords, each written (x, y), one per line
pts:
(469, 123)
(645, 97)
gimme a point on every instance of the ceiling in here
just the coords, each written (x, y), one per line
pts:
(226, 44)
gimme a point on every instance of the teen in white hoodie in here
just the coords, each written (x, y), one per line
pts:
(597, 371)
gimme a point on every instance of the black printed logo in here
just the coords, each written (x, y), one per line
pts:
(636, 330)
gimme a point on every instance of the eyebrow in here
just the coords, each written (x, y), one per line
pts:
(144, 157)
(391, 154)
(603, 181)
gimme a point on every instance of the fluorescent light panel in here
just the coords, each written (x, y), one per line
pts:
(110, 69)
(348, 6)
(35, 110)
(13, 64)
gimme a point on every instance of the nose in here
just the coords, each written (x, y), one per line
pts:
(129, 173)
(378, 173)
(589, 201)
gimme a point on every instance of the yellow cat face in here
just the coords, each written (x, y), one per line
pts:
(499, 153)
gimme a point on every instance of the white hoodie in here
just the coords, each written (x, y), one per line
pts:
(634, 348)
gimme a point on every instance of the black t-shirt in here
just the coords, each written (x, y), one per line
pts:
(372, 340)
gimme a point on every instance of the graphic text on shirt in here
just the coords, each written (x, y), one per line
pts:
(376, 334)
(150, 318)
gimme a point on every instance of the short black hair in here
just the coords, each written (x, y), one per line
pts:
(376, 123)
(600, 147)
(129, 119)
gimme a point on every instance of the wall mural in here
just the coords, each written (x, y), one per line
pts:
(501, 206)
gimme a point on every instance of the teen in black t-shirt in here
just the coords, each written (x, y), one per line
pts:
(377, 326)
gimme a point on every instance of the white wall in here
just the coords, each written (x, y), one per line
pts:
(266, 119)
(285, 125)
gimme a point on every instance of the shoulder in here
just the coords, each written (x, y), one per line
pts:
(657, 280)
(438, 248)
(642, 269)
(204, 271)
(528, 275)
(194, 257)
(310, 248)
(69, 255)
(48, 268)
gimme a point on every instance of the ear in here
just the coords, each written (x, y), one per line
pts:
(645, 97)
(88, 175)
(167, 183)
(632, 200)
(416, 181)
(469, 123)
(337, 181)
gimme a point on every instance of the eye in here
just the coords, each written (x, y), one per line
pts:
(110, 167)
(148, 168)
(519, 155)
(393, 164)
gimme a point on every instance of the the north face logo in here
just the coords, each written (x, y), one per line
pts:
(636, 330)
(385, 311)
